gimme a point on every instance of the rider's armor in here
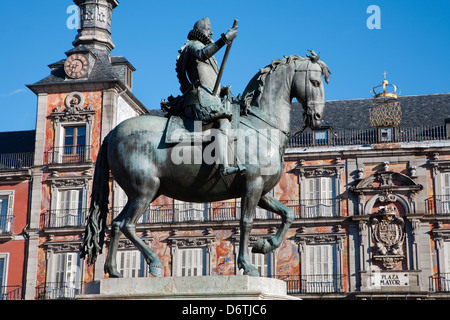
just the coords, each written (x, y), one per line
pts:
(197, 72)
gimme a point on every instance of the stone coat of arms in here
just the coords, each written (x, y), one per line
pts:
(388, 236)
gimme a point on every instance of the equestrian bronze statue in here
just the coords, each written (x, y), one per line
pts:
(149, 156)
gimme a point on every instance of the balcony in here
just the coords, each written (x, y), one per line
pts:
(68, 155)
(321, 283)
(16, 161)
(58, 291)
(439, 205)
(440, 282)
(62, 218)
(11, 293)
(345, 137)
(229, 211)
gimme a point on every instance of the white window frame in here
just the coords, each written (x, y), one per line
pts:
(191, 262)
(69, 210)
(4, 272)
(60, 130)
(65, 274)
(318, 197)
(6, 226)
(445, 193)
(58, 187)
(321, 267)
(190, 211)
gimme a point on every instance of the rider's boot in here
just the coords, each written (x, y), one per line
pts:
(222, 149)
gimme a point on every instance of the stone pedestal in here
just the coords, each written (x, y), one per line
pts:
(177, 288)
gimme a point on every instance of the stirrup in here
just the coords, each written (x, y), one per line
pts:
(227, 170)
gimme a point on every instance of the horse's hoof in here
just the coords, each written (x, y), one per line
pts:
(252, 273)
(262, 246)
(156, 270)
(114, 274)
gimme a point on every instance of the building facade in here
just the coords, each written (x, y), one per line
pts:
(16, 160)
(371, 204)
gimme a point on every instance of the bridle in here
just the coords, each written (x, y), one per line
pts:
(309, 104)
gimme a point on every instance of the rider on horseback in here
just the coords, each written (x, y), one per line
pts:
(197, 71)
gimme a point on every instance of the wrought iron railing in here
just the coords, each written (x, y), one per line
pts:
(7, 224)
(316, 208)
(11, 293)
(58, 290)
(230, 211)
(440, 282)
(64, 218)
(16, 161)
(439, 205)
(319, 283)
(342, 137)
(68, 154)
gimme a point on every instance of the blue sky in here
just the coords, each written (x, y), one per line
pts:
(412, 46)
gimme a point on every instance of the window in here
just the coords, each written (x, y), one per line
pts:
(444, 198)
(74, 147)
(321, 268)
(321, 137)
(386, 134)
(66, 275)
(189, 211)
(129, 78)
(70, 208)
(3, 265)
(131, 264)
(319, 198)
(191, 262)
(6, 212)
(447, 259)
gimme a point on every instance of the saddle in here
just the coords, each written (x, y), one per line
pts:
(183, 129)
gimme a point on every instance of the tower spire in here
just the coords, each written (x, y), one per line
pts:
(95, 25)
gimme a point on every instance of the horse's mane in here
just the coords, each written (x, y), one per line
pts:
(255, 87)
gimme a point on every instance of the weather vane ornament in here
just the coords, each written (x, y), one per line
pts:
(385, 109)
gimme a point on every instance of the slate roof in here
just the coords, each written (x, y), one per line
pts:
(418, 110)
(102, 71)
(17, 141)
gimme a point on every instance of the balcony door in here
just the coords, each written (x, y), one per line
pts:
(70, 208)
(321, 269)
(445, 193)
(6, 215)
(66, 275)
(320, 197)
(74, 148)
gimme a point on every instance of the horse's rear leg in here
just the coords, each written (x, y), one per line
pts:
(137, 206)
(269, 202)
(111, 263)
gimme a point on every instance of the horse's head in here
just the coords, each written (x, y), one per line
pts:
(308, 88)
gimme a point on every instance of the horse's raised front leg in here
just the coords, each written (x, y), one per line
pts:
(248, 206)
(269, 202)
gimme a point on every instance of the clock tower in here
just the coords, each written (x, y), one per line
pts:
(83, 98)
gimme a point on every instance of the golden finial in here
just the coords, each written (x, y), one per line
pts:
(384, 94)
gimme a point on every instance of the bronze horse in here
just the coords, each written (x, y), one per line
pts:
(142, 163)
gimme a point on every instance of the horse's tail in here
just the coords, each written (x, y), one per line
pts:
(94, 236)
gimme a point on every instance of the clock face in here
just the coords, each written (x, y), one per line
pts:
(76, 66)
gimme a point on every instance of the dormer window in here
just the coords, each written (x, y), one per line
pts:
(129, 82)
